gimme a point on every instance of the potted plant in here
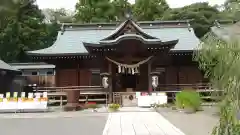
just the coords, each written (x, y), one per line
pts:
(188, 101)
(113, 107)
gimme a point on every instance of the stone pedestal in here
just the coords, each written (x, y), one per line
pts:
(72, 100)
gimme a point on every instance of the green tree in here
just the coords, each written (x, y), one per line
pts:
(202, 15)
(22, 28)
(120, 8)
(149, 10)
(221, 60)
(58, 15)
(231, 9)
(88, 11)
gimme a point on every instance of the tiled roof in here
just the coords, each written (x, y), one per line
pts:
(5, 66)
(70, 42)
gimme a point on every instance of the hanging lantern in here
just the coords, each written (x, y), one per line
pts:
(105, 80)
(154, 77)
(154, 81)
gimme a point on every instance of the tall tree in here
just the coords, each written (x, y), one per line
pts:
(58, 15)
(120, 8)
(220, 61)
(88, 11)
(149, 10)
(23, 28)
(231, 9)
(202, 15)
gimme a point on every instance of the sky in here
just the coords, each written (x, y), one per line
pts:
(70, 4)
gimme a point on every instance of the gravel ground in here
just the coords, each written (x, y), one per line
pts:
(200, 123)
(81, 125)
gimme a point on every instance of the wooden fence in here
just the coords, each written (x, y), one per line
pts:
(57, 95)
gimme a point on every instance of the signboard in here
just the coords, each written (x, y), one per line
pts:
(23, 95)
(8, 95)
(30, 95)
(138, 94)
(15, 94)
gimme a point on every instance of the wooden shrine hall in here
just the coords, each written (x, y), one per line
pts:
(127, 53)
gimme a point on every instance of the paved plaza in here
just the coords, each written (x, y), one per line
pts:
(128, 121)
(46, 124)
(139, 123)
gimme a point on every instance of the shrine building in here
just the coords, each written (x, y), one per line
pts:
(128, 52)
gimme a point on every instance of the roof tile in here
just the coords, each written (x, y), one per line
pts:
(70, 42)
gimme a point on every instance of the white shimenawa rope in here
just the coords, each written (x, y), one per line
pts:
(131, 69)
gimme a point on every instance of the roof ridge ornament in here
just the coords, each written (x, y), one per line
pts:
(217, 24)
(62, 28)
(128, 14)
(189, 26)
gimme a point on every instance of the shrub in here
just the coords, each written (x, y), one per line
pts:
(113, 107)
(188, 99)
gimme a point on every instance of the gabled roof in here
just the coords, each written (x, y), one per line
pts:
(70, 40)
(5, 66)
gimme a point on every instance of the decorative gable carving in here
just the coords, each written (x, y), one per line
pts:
(129, 27)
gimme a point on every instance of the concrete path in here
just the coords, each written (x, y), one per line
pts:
(200, 123)
(139, 123)
(76, 125)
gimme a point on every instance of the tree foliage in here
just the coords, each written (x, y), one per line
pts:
(231, 9)
(202, 15)
(221, 60)
(22, 28)
(88, 11)
(149, 10)
(60, 15)
(120, 8)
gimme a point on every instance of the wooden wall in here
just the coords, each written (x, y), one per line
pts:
(177, 70)
(6, 81)
(73, 77)
(41, 81)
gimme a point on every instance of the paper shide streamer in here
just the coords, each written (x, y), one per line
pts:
(129, 68)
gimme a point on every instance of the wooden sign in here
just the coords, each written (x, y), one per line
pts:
(8, 95)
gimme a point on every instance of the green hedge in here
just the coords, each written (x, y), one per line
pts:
(188, 99)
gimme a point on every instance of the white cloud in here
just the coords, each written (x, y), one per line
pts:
(70, 4)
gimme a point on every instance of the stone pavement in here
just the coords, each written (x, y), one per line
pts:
(49, 115)
(139, 123)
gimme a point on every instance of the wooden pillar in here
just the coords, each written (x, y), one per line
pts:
(178, 72)
(74, 95)
(110, 82)
(149, 76)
